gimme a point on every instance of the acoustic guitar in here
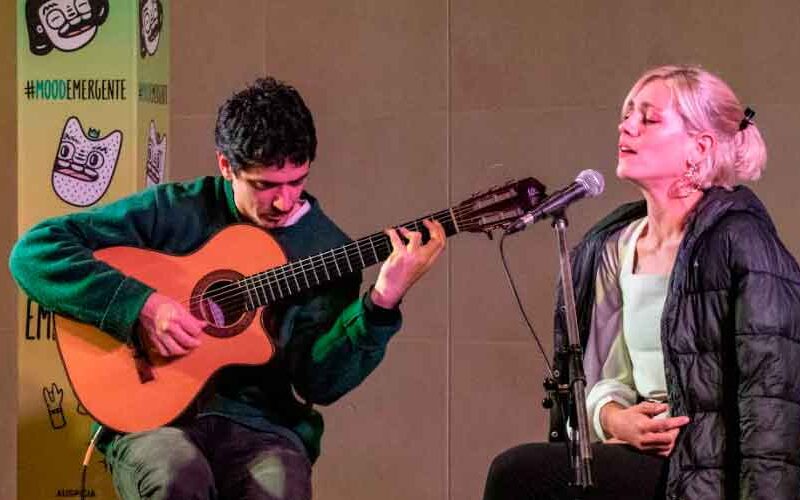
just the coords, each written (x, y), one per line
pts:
(131, 389)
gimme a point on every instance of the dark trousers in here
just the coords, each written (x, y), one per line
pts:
(211, 458)
(541, 471)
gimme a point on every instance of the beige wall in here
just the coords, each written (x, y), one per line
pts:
(8, 233)
(419, 103)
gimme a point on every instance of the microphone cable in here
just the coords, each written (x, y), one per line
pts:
(510, 280)
(513, 287)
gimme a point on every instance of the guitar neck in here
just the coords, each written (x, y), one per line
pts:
(300, 275)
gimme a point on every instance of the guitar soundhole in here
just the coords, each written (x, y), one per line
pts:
(220, 307)
(218, 300)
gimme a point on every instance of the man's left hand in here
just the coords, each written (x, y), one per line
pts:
(407, 263)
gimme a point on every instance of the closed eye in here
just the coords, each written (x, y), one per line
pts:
(262, 186)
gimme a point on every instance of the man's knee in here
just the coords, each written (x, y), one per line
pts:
(160, 464)
(281, 474)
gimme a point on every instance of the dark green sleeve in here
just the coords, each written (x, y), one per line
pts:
(53, 263)
(339, 338)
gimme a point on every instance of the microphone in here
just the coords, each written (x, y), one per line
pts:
(589, 183)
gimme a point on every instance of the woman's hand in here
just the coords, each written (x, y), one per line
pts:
(638, 427)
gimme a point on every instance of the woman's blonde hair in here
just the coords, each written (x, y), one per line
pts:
(707, 104)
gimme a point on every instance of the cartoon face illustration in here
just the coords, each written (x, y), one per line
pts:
(151, 20)
(66, 25)
(156, 156)
(84, 164)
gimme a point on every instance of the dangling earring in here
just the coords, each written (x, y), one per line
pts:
(688, 183)
(692, 176)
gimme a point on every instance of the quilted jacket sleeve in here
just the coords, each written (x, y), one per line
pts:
(766, 317)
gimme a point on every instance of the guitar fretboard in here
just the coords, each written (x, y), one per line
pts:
(284, 281)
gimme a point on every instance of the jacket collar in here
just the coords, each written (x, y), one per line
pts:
(713, 206)
(717, 202)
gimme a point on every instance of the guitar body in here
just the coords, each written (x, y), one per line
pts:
(131, 396)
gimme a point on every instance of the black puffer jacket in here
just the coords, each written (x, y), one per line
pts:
(730, 334)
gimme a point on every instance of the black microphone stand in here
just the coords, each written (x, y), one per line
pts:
(581, 455)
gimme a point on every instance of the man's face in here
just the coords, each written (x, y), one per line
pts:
(267, 196)
(69, 24)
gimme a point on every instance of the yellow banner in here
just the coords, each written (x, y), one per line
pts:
(93, 124)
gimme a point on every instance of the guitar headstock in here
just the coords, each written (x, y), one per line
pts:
(499, 206)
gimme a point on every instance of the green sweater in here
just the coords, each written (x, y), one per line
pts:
(328, 339)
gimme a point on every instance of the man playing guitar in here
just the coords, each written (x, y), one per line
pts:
(252, 432)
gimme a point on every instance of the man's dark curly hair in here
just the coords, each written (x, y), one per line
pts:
(267, 124)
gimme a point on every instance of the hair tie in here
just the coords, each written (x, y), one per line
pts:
(748, 118)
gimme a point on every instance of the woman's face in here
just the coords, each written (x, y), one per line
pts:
(653, 143)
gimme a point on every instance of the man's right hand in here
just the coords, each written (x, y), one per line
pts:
(168, 328)
(637, 426)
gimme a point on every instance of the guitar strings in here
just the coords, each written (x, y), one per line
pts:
(342, 254)
(234, 294)
(293, 270)
(233, 303)
(283, 281)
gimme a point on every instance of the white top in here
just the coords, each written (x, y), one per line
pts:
(635, 364)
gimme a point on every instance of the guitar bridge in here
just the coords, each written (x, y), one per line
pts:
(143, 367)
